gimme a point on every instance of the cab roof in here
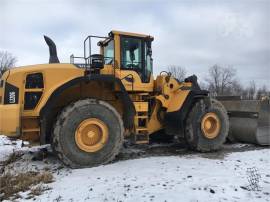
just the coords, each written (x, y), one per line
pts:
(130, 34)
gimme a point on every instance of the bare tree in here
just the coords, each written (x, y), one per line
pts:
(177, 72)
(203, 85)
(251, 90)
(244, 94)
(223, 81)
(236, 88)
(262, 92)
(220, 80)
(7, 61)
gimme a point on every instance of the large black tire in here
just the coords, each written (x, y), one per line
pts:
(194, 135)
(64, 143)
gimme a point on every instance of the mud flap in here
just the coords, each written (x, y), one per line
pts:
(249, 120)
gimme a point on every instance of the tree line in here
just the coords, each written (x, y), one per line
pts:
(223, 81)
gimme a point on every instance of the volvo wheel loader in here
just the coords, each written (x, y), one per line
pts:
(86, 108)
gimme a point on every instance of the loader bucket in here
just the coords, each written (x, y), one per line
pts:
(249, 120)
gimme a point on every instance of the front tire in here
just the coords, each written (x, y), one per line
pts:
(87, 133)
(207, 126)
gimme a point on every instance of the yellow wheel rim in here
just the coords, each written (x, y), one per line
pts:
(91, 135)
(210, 125)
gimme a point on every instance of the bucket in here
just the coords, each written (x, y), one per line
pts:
(249, 119)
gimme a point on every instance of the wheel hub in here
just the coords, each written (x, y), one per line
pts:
(210, 125)
(91, 135)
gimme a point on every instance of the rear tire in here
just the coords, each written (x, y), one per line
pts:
(65, 133)
(197, 138)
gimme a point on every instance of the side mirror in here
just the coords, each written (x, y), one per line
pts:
(97, 61)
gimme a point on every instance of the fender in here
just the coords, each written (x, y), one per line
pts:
(175, 121)
(46, 116)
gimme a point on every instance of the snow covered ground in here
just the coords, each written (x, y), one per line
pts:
(177, 177)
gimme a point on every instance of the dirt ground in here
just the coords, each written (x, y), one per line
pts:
(130, 151)
(179, 149)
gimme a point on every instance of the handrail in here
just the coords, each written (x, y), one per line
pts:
(88, 50)
(89, 38)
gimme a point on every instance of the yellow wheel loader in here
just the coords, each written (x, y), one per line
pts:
(86, 108)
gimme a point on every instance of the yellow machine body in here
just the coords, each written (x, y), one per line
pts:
(24, 103)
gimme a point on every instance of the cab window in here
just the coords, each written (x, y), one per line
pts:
(131, 54)
(109, 52)
(148, 61)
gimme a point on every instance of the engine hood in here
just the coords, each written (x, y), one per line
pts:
(39, 67)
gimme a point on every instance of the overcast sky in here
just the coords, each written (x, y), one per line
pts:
(193, 34)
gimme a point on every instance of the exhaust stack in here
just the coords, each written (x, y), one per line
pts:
(52, 50)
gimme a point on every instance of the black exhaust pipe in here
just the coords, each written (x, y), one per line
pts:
(52, 50)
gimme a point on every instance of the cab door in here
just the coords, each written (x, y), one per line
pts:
(136, 64)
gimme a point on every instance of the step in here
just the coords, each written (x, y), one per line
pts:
(141, 138)
(141, 117)
(141, 106)
(30, 130)
(142, 142)
(141, 129)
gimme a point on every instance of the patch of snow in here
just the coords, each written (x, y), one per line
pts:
(191, 177)
(7, 147)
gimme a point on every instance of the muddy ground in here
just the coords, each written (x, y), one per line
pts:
(129, 151)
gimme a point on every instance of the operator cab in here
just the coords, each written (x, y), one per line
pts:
(135, 53)
(121, 51)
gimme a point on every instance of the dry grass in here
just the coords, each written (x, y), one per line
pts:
(14, 156)
(38, 190)
(11, 185)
